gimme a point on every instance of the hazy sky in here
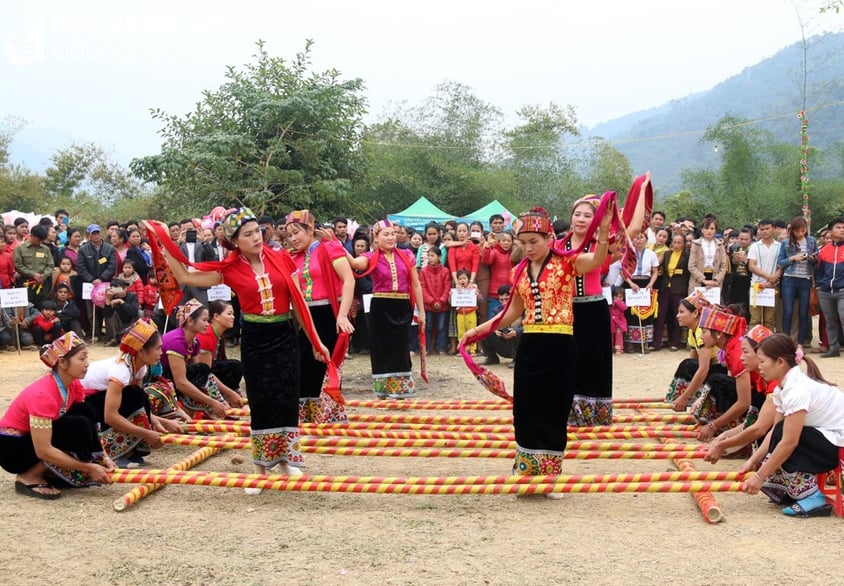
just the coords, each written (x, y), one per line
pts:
(94, 69)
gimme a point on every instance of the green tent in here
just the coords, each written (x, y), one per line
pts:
(421, 212)
(494, 207)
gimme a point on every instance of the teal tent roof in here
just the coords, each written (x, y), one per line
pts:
(494, 207)
(420, 213)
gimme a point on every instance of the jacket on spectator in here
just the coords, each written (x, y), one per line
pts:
(436, 286)
(95, 264)
(829, 276)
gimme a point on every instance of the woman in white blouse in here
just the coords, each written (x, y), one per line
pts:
(808, 430)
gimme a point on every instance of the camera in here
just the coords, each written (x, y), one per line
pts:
(190, 236)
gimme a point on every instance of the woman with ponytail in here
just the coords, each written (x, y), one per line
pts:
(807, 433)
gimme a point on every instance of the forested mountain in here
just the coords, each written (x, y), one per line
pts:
(666, 139)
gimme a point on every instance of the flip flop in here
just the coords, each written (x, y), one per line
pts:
(29, 490)
(796, 510)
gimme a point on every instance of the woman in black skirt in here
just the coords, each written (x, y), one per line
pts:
(546, 360)
(48, 435)
(807, 435)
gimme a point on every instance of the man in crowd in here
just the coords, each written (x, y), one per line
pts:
(34, 265)
(496, 223)
(266, 223)
(762, 263)
(97, 263)
(503, 342)
(341, 230)
(657, 222)
(829, 279)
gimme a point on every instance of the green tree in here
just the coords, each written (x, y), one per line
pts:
(444, 149)
(274, 136)
(544, 170)
(20, 188)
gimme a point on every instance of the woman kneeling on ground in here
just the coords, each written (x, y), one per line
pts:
(727, 398)
(807, 433)
(127, 428)
(195, 387)
(49, 435)
(226, 371)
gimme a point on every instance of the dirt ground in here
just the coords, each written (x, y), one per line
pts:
(195, 535)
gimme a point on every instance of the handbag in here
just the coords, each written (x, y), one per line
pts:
(814, 302)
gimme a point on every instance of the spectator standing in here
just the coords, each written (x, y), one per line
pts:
(34, 265)
(829, 279)
(675, 283)
(436, 286)
(762, 262)
(97, 263)
(797, 259)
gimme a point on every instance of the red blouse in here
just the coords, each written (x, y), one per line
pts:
(265, 293)
(40, 399)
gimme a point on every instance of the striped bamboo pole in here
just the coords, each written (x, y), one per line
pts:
(435, 452)
(346, 442)
(209, 425)
(206, 426)
(486, 420)
(706, 503)
(476, 405)
(139, 492)
(306, 484)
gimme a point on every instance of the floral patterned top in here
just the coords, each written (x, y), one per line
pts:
(548, 298)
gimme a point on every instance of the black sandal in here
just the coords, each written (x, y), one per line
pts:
(29, 490)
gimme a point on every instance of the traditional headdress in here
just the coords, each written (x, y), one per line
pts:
(698, 300)
(138, 335)
(233, 220)
(61, 347)
(591, 199)
(758, 333)
(187, 310)
(536, 220)
(303, 217)
(380, 225)
(721, 321)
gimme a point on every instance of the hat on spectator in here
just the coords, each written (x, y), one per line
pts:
(94, 228)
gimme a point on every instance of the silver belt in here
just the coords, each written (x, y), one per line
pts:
(588, 298)
(319, 302)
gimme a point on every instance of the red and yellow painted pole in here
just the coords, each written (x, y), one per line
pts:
(326, 484)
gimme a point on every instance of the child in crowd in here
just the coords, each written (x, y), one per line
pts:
(466, 315)
(67, 310)
(436, 286)
(134, 283)
(46, 326)
(150, 296)
(65, 275)
(618, 321)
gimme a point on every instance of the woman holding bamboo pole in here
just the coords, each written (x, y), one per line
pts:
(128, 430)
(546, 360)
(48, 435)
(727, 398)
(263, 280)
(692, 373)
(807, 433)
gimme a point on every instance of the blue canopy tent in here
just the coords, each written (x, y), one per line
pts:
(421, 212)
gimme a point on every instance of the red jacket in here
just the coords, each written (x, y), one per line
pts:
(150, 298)
(137, 287)
(500, 268)
(7, 269)
(464, 257)
(436, 286)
